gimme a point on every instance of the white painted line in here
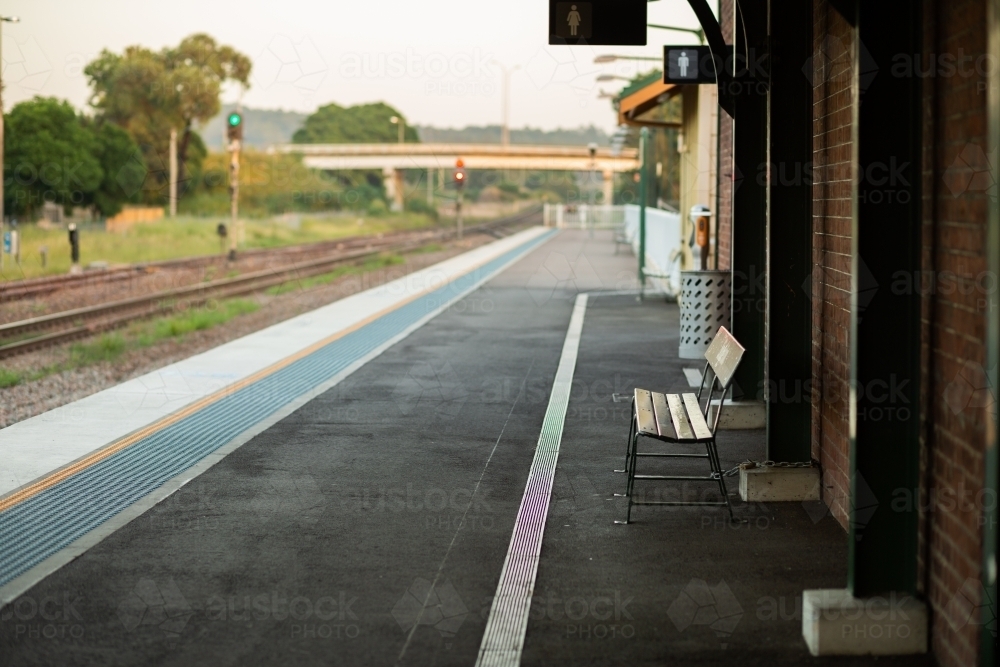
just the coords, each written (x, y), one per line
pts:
(16, 587)
(503, 640)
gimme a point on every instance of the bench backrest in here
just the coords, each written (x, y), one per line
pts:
(723, 357)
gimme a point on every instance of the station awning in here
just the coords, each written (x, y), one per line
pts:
(642, 96)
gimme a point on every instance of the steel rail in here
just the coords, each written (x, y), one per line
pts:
(33, 287)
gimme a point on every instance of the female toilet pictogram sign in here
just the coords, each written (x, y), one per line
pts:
(573, 19)
(598, 22)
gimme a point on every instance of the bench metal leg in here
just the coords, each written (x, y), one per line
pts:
(631, 431)
(713, 452)
(630, 463)
(631, 481)
(715, 465)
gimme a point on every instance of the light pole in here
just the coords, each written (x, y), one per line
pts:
(505, 102)
(400, 123)
(611, 77)
(601, 60)
(3, 19)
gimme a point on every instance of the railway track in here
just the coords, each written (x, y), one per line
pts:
(38, 287)
(46, 330)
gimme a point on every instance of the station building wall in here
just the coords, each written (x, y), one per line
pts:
(725, 172)
(832, 170)
(956, 186)
(952, 284)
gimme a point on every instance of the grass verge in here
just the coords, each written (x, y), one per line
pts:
(111, 346)
(9, 378)
(381, 261)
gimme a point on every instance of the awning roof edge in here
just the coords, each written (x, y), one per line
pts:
(634, 104)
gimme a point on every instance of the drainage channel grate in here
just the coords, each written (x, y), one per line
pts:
(503, 640)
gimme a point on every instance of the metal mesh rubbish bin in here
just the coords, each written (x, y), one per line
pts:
(705, 306)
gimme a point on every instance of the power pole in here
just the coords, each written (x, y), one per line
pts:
(173, 173)
(3, 19)
(235, 136)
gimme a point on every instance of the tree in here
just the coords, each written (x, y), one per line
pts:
(149, 92)
(121, 162)
(363, 123)
(48, 156)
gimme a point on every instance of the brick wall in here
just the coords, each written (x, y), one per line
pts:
(832, 155)
(725, 175)
(954, 232)
(954, 400)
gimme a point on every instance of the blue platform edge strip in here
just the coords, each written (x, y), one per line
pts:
(35, 529)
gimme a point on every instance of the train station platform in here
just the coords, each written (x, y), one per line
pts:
(351, 487)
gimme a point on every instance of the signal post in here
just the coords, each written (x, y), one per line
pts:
(458, 176)
(234, 132)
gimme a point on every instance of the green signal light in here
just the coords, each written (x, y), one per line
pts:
(235, 119)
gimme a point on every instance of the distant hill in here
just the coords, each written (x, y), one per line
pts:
(263, 127)
(266, 127)
(490, 134)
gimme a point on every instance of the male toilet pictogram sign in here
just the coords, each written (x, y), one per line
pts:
(688, 64)
(598, 22)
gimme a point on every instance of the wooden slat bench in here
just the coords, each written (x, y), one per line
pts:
(680, 419)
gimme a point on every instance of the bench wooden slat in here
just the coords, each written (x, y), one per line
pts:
(663, 421)
(679, 417)
(724, 355)
(644, 412)
(701, 429)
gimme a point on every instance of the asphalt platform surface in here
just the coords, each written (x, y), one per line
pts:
(319, 541)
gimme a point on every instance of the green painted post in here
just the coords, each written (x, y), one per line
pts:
(643, 148)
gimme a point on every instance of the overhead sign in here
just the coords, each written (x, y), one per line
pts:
(599, 22)
(688, 64)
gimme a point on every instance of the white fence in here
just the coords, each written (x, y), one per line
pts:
(663, 235)
(583, 216)
(663, 245)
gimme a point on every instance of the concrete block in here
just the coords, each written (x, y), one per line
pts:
(779, 484)
(834, 622)
(739, 415)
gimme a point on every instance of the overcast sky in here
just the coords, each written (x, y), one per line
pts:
(430, 58)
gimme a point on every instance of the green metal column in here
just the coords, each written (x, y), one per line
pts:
(789, 235)
(749, 196)
(644, 162)
(884, 426)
